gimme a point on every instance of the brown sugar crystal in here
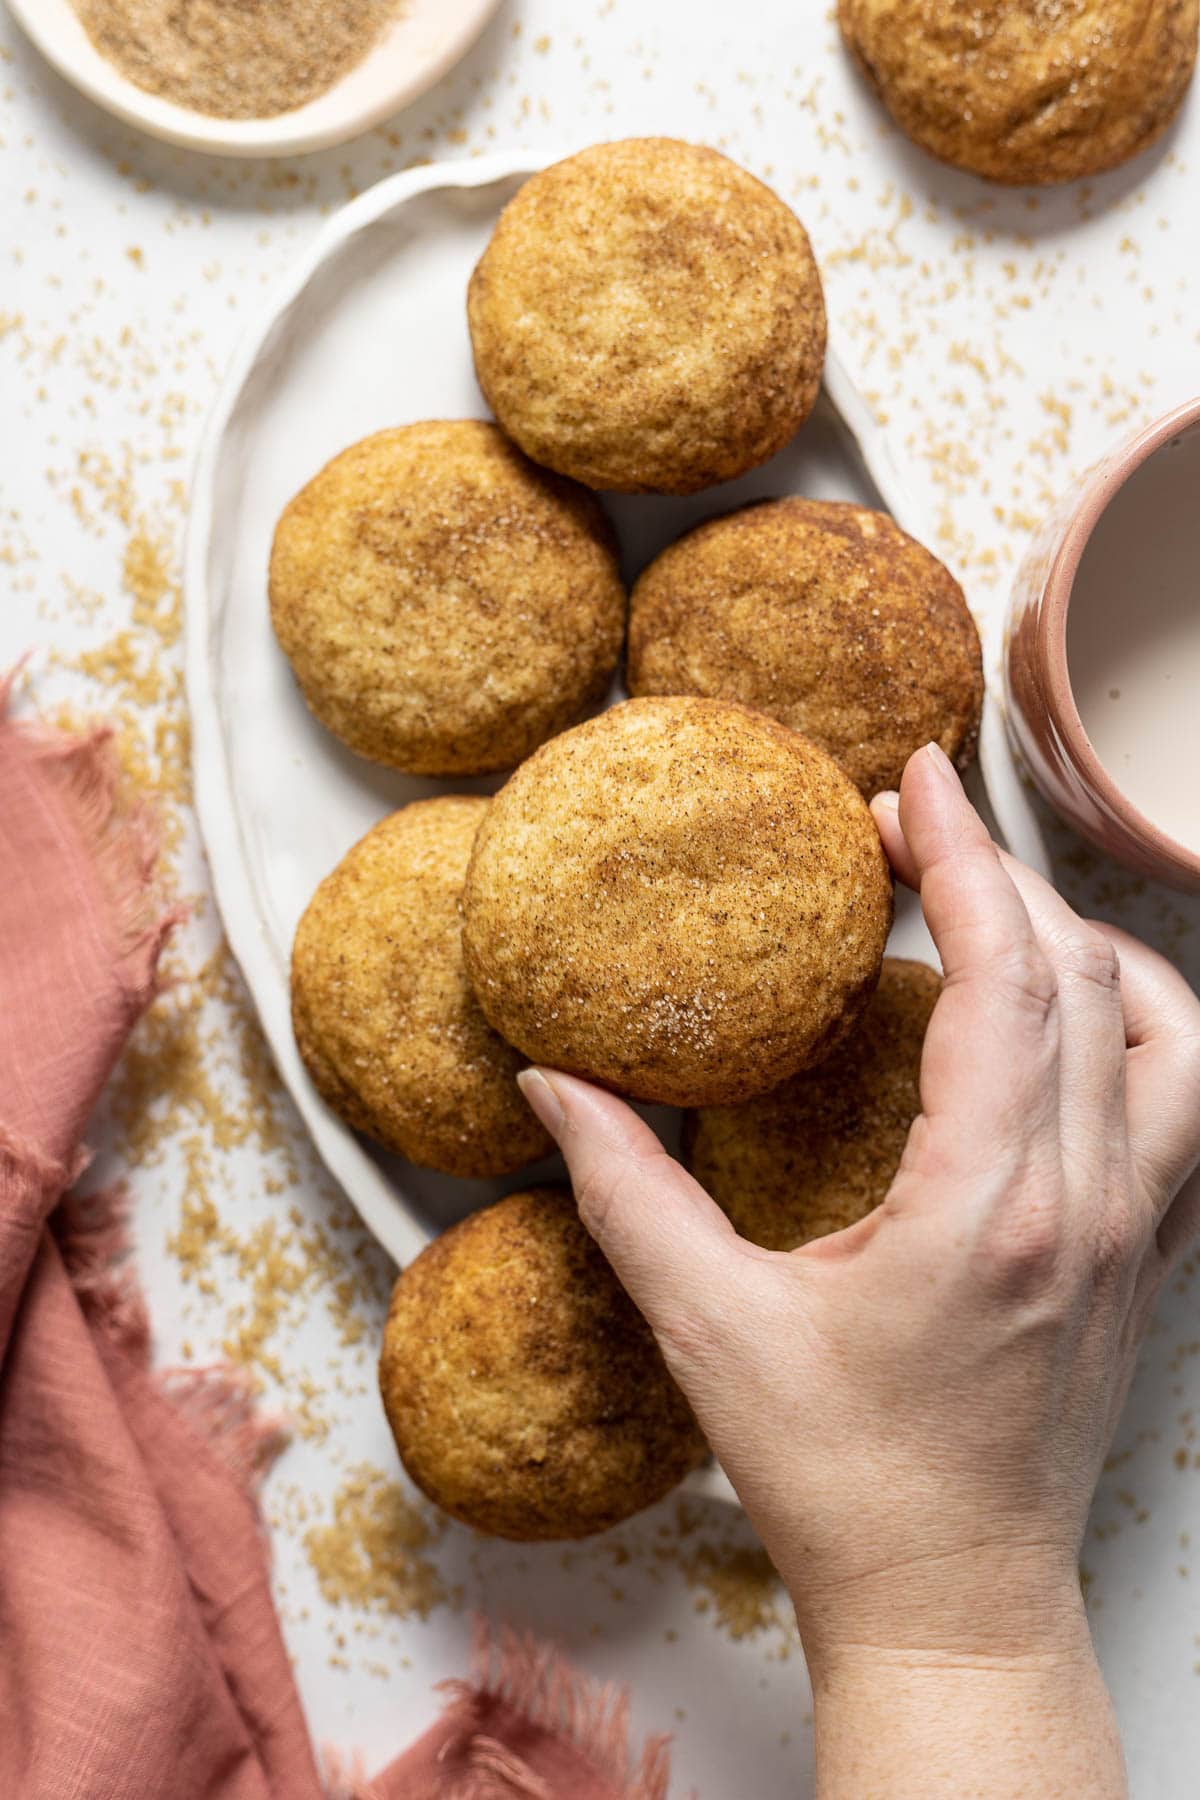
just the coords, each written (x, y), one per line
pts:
(235, 59)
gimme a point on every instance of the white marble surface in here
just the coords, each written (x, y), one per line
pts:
(1007, 337)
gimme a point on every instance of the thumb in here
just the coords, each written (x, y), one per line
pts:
(671, 1247)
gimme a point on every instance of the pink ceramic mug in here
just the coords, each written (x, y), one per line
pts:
(1103, 653)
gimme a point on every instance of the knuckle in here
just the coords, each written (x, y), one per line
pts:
(1023, 1253)
(595, 1195)
(1027, 972)
(615, 1183)
(1091, 957)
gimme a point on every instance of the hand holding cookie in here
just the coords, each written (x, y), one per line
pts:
(948, 1371)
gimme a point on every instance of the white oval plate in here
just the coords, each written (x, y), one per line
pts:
(370, 331)
(426, 39)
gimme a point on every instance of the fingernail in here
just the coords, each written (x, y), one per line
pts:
(542, 1099)
(941, 762)
(888, 799)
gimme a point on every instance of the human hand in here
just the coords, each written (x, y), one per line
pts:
(915, 1411)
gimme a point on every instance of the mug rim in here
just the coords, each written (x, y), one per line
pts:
(1099, 489)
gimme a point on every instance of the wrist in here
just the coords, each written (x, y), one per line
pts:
(995, 1604)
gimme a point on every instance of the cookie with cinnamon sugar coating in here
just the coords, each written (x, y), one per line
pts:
(819, 1153)
(384, 1016)
(648, 317)
(681, 899)
(525, 1391)
(1036, 91)
(827, 616)
(445, 605)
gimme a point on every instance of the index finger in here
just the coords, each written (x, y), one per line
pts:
(991, 1051)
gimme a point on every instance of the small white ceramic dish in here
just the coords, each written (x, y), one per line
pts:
(427, 38)
(368, 331)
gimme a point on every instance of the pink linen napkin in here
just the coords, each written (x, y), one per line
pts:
(140, 1654)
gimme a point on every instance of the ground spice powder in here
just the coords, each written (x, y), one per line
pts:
(235, 59)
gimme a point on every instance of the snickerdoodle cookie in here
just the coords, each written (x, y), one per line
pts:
(680, 898)
(648, 317)
(384, 1016)
(1032, 91)
(825, 615)
(445, 605)
(820, 1152)
(525, 1391)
